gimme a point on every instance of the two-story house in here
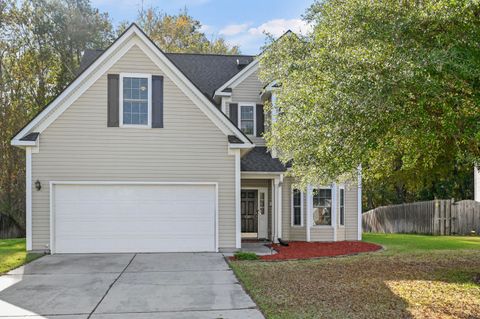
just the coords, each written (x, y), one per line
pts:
(147, 151)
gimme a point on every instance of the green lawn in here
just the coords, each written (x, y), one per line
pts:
(400, 243)
(414, 277)
(13, 254)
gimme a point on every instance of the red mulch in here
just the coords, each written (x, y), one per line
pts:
(307, 250)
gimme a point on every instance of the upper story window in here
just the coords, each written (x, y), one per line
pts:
(247, 118)
(322, 206)
(135, 100)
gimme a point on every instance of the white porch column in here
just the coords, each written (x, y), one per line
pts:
(308, 223)
(476, 183)
(334, 211)
(276, 221)
(274, 210)
(279, 207)
(238, 189)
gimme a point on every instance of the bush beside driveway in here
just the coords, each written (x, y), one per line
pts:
(415, 277)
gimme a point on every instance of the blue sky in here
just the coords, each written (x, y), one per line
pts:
(239, 22)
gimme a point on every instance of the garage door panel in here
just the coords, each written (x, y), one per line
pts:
(134, 218)
(148, 192)
(128, 245)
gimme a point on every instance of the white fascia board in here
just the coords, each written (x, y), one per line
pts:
(105, 62)
(242, 146)
(271, 86)
(17, 142)
(260, 175)
(239, 77)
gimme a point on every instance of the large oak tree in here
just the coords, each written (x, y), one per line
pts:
(392, 85)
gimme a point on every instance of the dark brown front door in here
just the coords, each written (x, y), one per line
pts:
(249, 211)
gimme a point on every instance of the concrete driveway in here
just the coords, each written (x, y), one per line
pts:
(114, 286)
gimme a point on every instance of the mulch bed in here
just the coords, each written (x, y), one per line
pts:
(308, 250)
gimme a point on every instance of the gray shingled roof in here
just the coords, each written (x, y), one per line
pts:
(234, 140)
(207, 71)
(260, 160)
(88, 57)
(31, 137)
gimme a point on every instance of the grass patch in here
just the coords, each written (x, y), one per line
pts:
(431, 277)
(245, 255)
(405, 243)
(13, 254)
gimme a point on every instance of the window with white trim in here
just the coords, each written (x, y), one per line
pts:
(322, 206)
(135, 100)
(297, 207)
(342, 206)
(247, 118)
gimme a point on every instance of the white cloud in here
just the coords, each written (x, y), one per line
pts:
(205, 28)
(250, 37)
(234, 29)
(277, 27)
(248, 44)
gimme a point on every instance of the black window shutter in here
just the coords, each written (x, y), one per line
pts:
(234, 113)
(113, 97)
(157, 101)
(260, 120)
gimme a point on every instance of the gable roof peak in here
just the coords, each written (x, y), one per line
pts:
(103, 63)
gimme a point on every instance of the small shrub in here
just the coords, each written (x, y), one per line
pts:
(244, 255)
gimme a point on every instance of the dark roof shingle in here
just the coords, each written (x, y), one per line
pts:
(234, 140)
(207, 71)
(260, 160)
(30, 137)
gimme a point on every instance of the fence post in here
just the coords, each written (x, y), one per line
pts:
(436, 218)
(452, 216)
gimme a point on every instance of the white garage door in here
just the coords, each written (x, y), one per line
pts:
(133, 218)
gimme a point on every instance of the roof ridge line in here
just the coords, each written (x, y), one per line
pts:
(212, 54)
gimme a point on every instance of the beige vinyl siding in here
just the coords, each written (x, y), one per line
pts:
(351, 212)
(79, 146)
(248, 91)
(289, 232)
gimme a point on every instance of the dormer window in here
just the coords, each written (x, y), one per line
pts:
(135, 100)
(247, 118)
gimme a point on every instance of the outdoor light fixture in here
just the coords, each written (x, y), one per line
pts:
(38, 185)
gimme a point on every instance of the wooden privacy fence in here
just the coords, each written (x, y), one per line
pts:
(9, 228)
(436, 217)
